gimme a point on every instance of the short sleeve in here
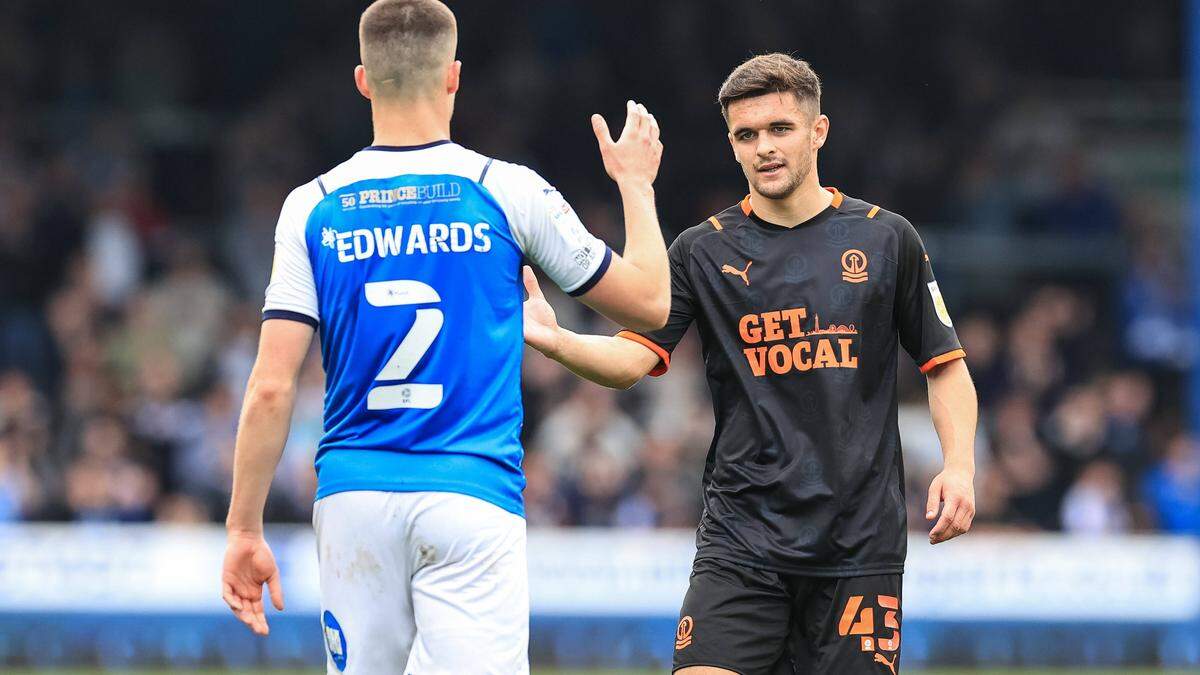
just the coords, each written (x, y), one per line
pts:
(292, 293)
(923, 321)
(663, 340)
(547, 229)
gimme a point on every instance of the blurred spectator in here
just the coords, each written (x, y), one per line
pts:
(138, 208)
(1156, 304)
(1173, 487)
(588, 431)
(1096, 503)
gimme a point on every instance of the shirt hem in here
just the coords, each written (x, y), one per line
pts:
(806, 570)
(390, 486)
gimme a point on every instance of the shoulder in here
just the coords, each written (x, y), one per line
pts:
(499, 175)
(716, 224)
(302, 200)
(876, 215)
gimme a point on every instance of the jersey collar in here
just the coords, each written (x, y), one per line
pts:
(748, 210)
(407, 148)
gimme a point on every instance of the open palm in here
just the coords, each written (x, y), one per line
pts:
(541, 325)
(248, 565)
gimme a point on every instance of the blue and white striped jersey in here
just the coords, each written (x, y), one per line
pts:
(408, 262)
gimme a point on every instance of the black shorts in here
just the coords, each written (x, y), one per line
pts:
(756, 622)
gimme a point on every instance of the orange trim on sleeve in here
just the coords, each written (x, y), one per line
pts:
(716, 223)
(872, 212)
(943, 358)
(663, 355)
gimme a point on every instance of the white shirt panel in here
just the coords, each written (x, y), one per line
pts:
(292, 287)
(546, 227)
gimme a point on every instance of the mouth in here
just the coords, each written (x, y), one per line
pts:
(770, 169)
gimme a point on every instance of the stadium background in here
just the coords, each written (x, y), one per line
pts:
(1042, 150)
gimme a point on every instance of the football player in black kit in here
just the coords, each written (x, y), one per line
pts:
(801, 295)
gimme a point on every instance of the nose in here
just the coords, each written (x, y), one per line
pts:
(765, 146)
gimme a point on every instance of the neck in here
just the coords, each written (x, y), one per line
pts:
(409, 122)
(802, 204)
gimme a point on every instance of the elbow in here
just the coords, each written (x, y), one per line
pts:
(269, 394)
(624, 381)
(652, 315)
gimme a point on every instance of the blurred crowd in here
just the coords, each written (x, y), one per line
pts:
(139, 188)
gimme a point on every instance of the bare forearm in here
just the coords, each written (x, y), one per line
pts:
(262, 432)
(644, 246)
(606, 360)
(955, 411)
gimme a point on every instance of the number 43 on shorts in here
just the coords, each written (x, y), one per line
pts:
(859, 620)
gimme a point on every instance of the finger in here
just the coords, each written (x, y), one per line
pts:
(600, 128)
(245, 614)
(631, 118)
(939, 531)
(962, 522)
(260, 617)
(230, 598)
(276, 588)
(935, 498)
(643, 118)
(531, 284)
(654, 130)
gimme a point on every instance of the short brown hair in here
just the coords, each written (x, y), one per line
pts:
(771, 73)
(405, 43)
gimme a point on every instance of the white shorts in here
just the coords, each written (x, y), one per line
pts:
(420, 583)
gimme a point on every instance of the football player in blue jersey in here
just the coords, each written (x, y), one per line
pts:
(406, 259)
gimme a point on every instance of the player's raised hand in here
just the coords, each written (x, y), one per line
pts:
(541, 325)
(635, 156)
(249, 564)
(953, 488)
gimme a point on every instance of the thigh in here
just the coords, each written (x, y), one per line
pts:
(470, 588)
(366, 611)
(848, 626)
(733, 617)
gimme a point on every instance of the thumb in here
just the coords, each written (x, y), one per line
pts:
(531, 284)
(935, 498)
(600, 127)
(276, 589)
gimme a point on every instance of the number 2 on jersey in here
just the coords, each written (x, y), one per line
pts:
(424, 331)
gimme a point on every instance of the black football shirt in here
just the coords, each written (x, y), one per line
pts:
(799, 328)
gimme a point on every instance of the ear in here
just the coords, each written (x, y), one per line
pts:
(820, 131)
(452, 77)
(360, 82)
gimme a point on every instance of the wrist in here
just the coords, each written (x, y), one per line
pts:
(965, 467)
(631, 187)
(556, 351)
(243, 530)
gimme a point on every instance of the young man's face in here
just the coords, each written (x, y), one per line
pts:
(775, 138)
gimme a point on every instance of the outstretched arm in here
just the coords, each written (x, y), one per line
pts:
(635, 292)
(611, 361)
(955, 411)
(262, 432)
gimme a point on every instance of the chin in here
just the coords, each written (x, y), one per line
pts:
(774, 191)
